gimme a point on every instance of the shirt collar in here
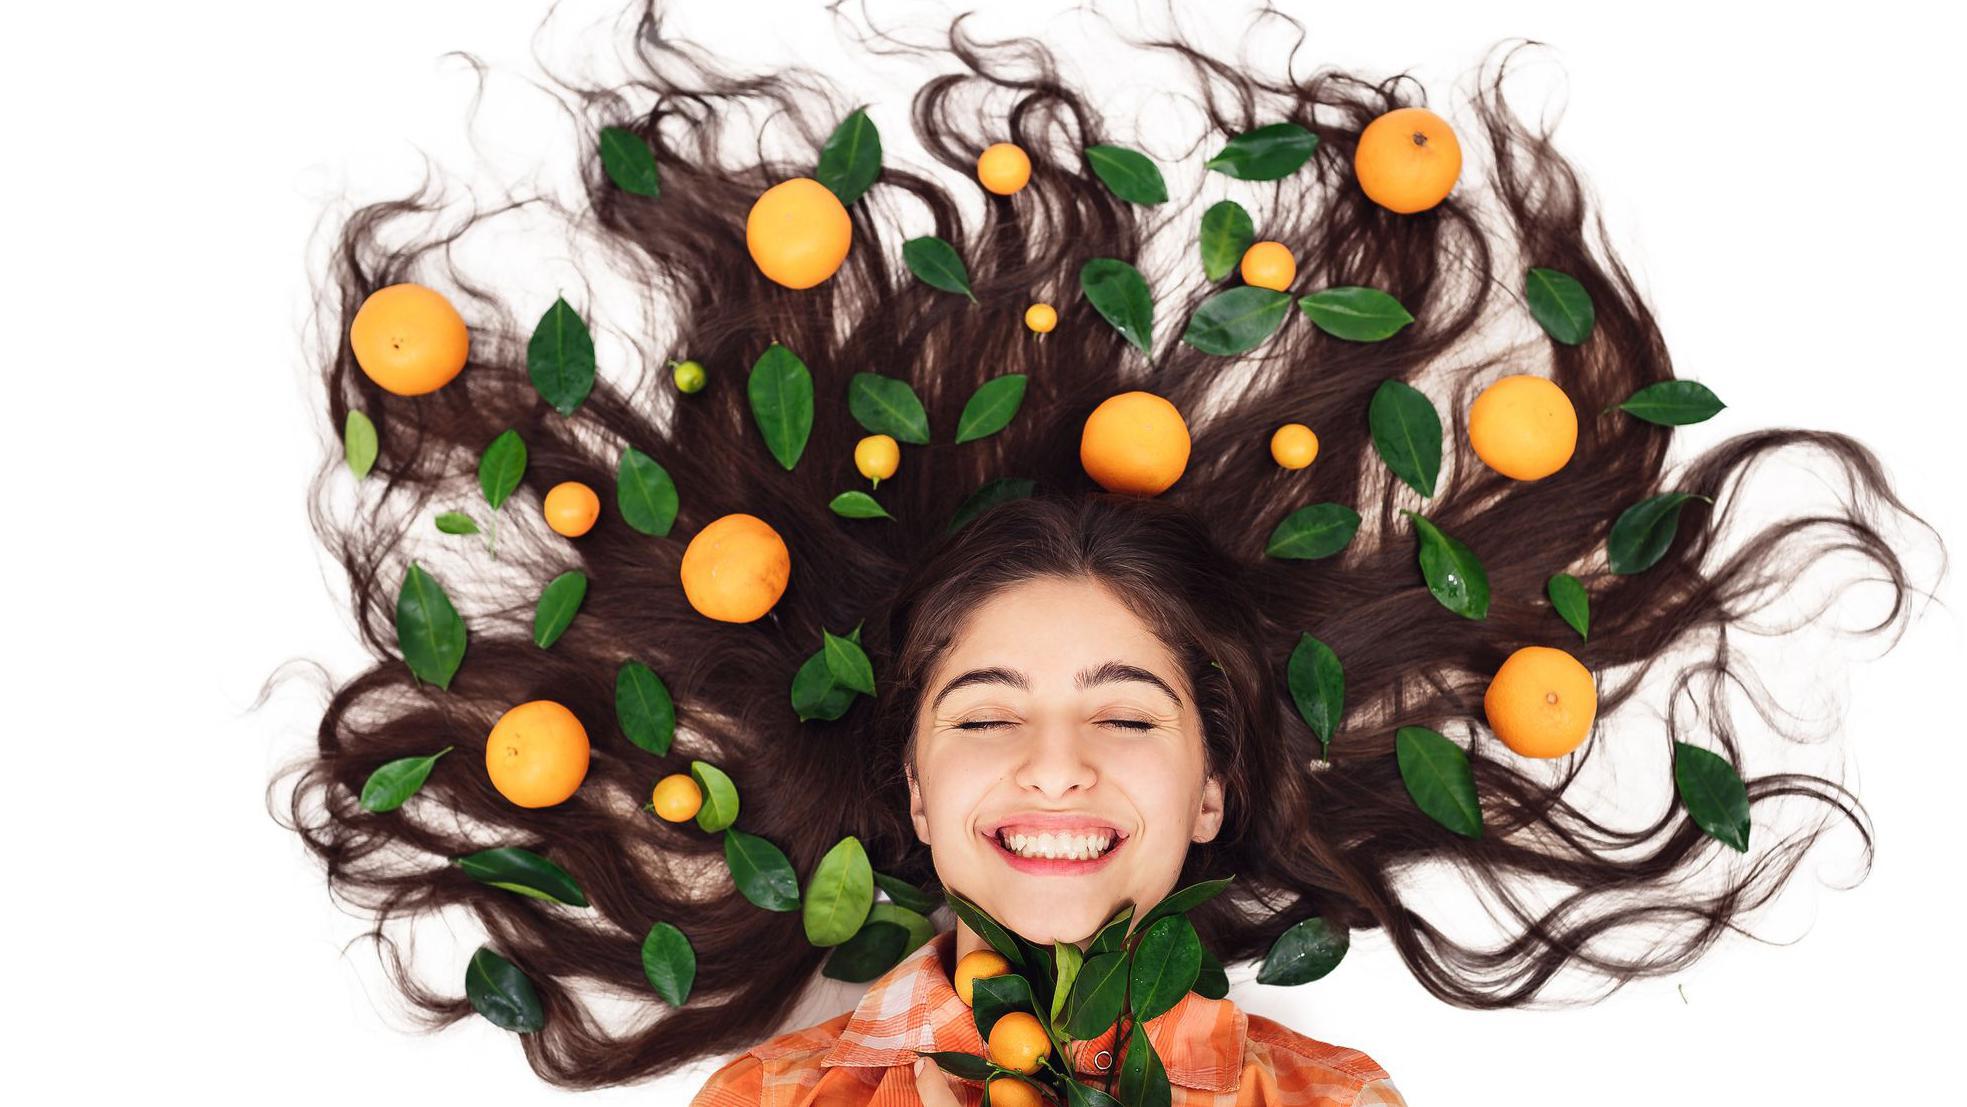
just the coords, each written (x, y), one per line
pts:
(914, 1007)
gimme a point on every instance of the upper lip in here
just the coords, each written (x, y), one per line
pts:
(1055, 821)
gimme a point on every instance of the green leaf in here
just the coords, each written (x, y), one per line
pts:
(644, 708)
(1183, 900)
(993, 997)
(874, 949)
(847, 663)
(920, 929)
(525, 872)
(851, 159)
(1452, 571)
(560, 358)
(1673, 403)
(501, 993)
(815, 694)
(501, 466)
(1128, 173)
(991, 407)
(1111, 936)
(907, 895)
(855, 504)
(393, 782)
(1313, 531)
(1317, 687)
(761, 871)
(936, 264)
(1642, 533)
(1080, 1095)
(1120, 294)
(1226, 233)
(1164, 966)
(1212, 982)
(359, 443)
(839, 895)
(1567, 595)
(457, 522)
(1265, 154)
(1560, 304)
(629, 162)
(781, 392)
(645, 493)
(558, 603)
(1407, 434)
(992, 493)
(1438, 777)
(669, 963)
(1355, 313)
(1143, 1080)
(987, 928)
(969, 1066)
(1067, 960)
(1098, 995)
(1236, 320)
(1306, 952)
(720, 797)
(887, 405)
(1713, 794)
(428, 630)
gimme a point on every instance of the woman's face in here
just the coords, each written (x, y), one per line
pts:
(1057, 711)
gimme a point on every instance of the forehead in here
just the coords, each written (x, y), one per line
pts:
(1050, 627)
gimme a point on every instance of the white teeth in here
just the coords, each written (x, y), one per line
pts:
(1071, 847)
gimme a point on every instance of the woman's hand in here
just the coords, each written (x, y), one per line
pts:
(933, 1085)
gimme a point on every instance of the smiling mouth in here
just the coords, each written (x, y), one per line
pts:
(1058, 853)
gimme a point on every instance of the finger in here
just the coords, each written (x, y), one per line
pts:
(933, 1086)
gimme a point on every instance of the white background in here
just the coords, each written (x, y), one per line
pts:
(1785, 187)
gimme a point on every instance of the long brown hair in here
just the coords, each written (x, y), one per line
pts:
(1304, 836)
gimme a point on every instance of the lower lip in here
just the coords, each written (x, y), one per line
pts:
(1045, 866)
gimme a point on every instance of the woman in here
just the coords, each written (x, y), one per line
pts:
(1310, 687)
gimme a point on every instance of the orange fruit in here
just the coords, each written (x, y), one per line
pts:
(408, 339)
(1003, 168)
(1293, 445)
(1523, 426)
(677, 798)
(1134, 442)
(1268, 265)
(974, 964)
(798, 232)
(1041, 318)
(537, 754)
(1009, 1091)
(735, 568)
(1541, 702)
(1018, 1041)
(1407, 160)
(877, 456)
(571, 508)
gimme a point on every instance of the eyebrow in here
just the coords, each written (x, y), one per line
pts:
(1112, 672)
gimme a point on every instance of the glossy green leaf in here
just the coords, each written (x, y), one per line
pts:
(920, 929)
(781, 392)
(1236, 320)
(1226, 233)
(558, 603)
(525, 872)
(1112, 934)
(874, 949)
(1313, 531)
(1098, 994)
(851, 159)
(359, 443)
(761, 871)
(1451, 569)
(1437, 774)
(1568, 596)
(1559, 304)
(501, 466)
(560, 357)
(1406, 433)
(1265, 154)
(969, 1066)
(429, 632)
(1081, 1095)
(1644, 531)
(991, 407)
(987, 928)
(1673, 403)
(1130, 174)
(1307, 951)
(1317, 687)
(855, 504)
(1163, 966)
(1355, 313)
(1713, 794)
(456, 522)
(669, 963)
(936, 263)
(887, 405)
(1120, 294)
(1183, 900)
(1143, 1081)
(1212, 982)
(993, 997)
(629, 162)
(839, 895)
(1067, 960)
(847, 663)
(992, 493)
(815, 694)
(720, 797)
(393, 782)
(644, 493)
(643, 708)
(501, 993)
(907, 895)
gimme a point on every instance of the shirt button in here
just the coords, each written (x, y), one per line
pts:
(1102, 1059)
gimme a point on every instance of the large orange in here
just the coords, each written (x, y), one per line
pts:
(1134, 442)
(537, 754)
(1523, 427)
(1407, 160)
(736, 568)
(1018, 1041)
(409, 339)
(798, 232)
(1541, 702)
(973, 965)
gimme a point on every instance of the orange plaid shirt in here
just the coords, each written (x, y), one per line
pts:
(1216, 1054)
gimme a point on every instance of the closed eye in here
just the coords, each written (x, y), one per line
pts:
(986, 724)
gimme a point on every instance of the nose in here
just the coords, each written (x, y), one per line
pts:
(1055, 759)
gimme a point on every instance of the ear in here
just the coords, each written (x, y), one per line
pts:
(915, 812)
(1209, 813)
